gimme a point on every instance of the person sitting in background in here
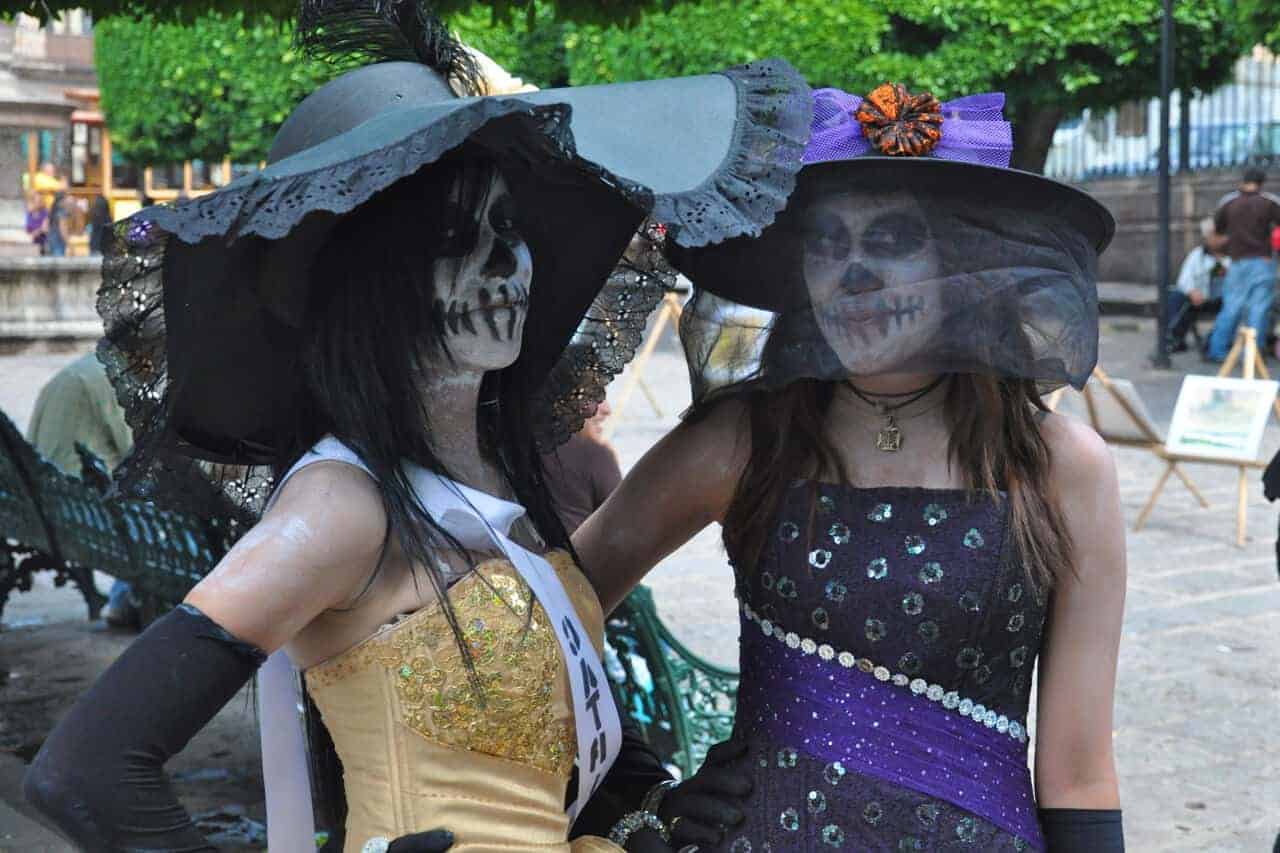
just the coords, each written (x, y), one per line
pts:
(1199, 285)
(1245, 218)
(78, 406)
(583, 471)
(37, 224)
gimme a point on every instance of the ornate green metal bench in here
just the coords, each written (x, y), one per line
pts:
(51, 522)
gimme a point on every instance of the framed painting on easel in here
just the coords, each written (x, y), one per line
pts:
(1221, 418)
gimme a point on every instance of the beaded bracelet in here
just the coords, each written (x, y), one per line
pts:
(654, 796)
(633, 822)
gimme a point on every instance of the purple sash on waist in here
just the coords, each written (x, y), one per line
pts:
(835, 713)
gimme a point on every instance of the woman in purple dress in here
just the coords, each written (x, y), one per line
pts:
(911, 531)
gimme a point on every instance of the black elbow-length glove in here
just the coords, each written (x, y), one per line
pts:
(1082, 830)
(100, 775)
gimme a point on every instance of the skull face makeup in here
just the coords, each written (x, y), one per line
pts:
(873, 276)
(482, 296)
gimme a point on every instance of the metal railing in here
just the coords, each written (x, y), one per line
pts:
(1235, 125)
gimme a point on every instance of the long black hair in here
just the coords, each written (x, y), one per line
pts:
(372, 330)
(372, 326)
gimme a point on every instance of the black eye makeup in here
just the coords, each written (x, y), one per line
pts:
(894, 235)
(502, 215)
(827, 237)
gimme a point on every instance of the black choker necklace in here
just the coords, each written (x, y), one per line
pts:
(889, 438)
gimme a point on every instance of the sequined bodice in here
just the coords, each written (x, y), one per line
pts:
(916, 581)
(887, 650)
(419, 750)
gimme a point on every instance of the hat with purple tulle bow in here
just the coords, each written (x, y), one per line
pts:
(909, 227)
(956, 151)
(917, 132)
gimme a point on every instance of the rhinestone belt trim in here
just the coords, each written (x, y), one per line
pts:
(949, 699)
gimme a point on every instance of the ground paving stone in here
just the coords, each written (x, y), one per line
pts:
(1198, 692)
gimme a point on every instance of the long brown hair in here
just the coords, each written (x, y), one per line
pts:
(995, 442)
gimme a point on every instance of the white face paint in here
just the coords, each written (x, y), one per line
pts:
(482, 298)
(873, 278)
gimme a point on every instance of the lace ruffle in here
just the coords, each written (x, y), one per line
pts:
(272, 207)
(755, 180)
(131, 303)
(606, 340)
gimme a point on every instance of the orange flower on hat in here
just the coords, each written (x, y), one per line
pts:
(899, 123)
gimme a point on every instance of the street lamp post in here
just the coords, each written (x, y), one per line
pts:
(1160, 358)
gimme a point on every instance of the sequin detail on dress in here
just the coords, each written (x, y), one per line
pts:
(919, 605)
(909, 663)
(515, 666)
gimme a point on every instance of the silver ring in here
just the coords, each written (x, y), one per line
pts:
(689, 848)
(671, 827)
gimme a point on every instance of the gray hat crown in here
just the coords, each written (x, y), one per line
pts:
(352, 99)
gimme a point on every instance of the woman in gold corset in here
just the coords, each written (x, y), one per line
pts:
(393, 317)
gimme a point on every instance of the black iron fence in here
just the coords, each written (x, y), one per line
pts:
(1235, 125)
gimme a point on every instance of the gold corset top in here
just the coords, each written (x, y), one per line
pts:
(419, 750)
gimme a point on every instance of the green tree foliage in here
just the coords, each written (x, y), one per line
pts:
(532, 46)
(186, 11)
(217, 87)
(1262, 17)
(1052, 57)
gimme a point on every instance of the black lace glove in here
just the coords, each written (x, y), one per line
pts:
(1082, 830)
(435, 841)
(100, 775)
(636, 770)
(700, 809)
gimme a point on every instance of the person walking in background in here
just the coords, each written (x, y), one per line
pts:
(37, 224)
(78, 406)
(583, 472)
(99, 224)
(47, 183)
(56, 244)
(1246, 218)
(1199, 284)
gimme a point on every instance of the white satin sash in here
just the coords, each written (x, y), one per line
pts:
(479, 521)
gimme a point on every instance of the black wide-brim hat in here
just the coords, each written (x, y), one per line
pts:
(947, 260)
(739, 269)
(202, 299)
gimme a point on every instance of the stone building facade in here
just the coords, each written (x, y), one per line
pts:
(39, 66)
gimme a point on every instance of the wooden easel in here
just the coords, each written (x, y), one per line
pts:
(668, 312)
(1245, 352)
(1144, 437)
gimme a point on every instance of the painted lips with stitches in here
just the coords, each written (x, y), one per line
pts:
(457, 316)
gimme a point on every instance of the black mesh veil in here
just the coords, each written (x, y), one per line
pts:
(883, 269)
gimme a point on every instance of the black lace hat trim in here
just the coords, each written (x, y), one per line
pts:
(752, 185)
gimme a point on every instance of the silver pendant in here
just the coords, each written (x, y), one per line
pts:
(889, 439)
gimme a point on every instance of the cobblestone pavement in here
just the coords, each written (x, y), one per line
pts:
(1199, 685)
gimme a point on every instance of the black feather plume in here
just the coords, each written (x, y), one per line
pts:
(358, 32)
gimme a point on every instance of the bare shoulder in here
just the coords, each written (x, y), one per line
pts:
(717, 441)
(1082, 474)
(320, 540)
(339, 503)
(1079, 458)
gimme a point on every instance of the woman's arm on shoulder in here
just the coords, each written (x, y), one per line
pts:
(1075, 762)
(682, 484)
(312, 551)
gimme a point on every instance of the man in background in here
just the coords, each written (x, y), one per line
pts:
(1246, 218)
(583, 471)
(1199, 284)
(78, 405)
